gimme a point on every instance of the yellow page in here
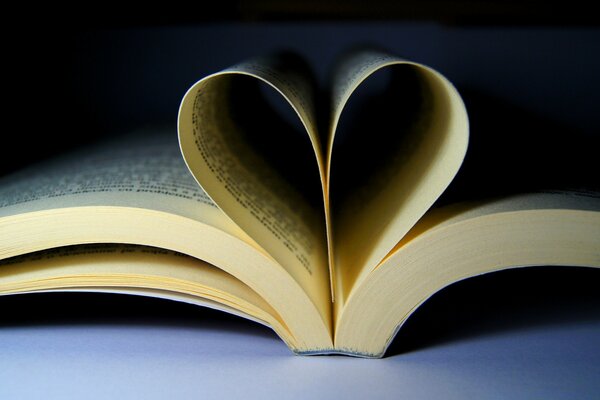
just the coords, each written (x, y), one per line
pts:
(412, 146)
(139, 269)
(462, 240)
(139, 191)
(222, 120)
(145, 170)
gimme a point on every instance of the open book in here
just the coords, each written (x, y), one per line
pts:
(328, 238)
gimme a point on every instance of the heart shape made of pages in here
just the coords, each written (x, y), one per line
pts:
(396, 150)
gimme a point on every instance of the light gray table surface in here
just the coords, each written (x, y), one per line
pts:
(233, 358)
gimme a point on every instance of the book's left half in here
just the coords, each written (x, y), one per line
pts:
(138, 191)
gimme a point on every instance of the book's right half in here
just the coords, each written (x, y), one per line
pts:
(398, 135)
(459, 241)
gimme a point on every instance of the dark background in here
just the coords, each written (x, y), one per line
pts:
(528, 71)
(530, 66)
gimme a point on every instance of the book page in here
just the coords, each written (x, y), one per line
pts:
(467, 239)
(143, 170)
(149, 271)
(398, 134)
(138, 190)
(124, 265)
(260, 168)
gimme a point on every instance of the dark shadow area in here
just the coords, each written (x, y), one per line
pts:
(500, 302)
(512, 150)
(271, 128)
(374, 135)
(73, 308)
(45, 112)
(454, 12)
